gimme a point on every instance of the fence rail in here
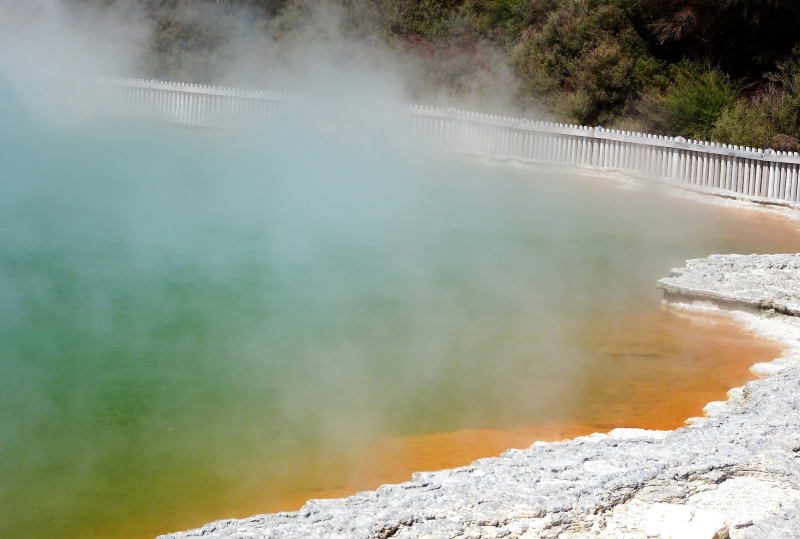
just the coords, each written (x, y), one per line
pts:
(764, 175)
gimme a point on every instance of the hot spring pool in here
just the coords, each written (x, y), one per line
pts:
(198, 325)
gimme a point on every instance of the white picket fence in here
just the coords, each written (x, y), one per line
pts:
(763, 175)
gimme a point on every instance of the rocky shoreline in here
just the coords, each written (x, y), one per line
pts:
(733, 473)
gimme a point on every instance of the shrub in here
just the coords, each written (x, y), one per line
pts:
(584, 61)
(694, 100)
(785, 114)
(425, 18)
(771, 117)
(687, 102)
(745, 124)
(766, 120)
(503, 21)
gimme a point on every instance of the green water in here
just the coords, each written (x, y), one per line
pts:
(177, 306)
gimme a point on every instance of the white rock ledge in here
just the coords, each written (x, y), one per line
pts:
(761, 282)
(734, 473)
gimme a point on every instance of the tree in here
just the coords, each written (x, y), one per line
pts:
(743, 37)
(585, 60)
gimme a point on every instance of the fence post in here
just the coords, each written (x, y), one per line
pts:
(771, 180)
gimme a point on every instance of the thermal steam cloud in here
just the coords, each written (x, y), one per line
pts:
(316, 48)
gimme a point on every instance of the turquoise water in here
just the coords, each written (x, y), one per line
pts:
(180, 306)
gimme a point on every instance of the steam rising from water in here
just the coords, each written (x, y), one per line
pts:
(178, 305)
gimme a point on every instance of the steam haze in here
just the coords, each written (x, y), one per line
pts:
(186, 311)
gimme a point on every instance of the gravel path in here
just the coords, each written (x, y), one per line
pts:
(734, 473)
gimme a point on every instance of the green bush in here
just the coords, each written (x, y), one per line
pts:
(767, 120)
(785, 112)
(745, 124)
(504, 21)
(770, 118)
(696, 99)
(585, 61)
(425, 18)
(690, 103)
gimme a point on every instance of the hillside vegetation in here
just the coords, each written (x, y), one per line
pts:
(726, 70)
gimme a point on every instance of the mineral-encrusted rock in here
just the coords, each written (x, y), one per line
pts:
(756, 281)
(733, 474)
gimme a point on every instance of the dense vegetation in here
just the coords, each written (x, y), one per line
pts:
(727, 70)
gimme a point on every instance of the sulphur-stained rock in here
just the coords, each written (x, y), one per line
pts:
(735, 473)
